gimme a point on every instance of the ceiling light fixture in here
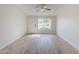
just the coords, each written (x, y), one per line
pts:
(44, 8)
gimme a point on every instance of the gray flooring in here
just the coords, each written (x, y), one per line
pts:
(40, 44)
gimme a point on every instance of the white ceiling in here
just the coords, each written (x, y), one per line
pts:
(31, 9)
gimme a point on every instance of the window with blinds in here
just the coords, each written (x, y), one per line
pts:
(44, 23)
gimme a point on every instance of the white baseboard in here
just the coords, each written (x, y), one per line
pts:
(68, 42)
(10, 42)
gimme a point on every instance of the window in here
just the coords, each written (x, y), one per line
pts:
(44, 23)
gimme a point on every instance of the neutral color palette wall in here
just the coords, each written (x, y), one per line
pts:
(13, 24)
(33, 25)
(68, 24)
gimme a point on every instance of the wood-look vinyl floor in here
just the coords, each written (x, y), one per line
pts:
(40, 44)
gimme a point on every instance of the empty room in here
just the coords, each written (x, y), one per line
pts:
(39, 28)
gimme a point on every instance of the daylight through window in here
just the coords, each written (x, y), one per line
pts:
(44, 23)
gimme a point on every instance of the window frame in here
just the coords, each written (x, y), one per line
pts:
(42, 23)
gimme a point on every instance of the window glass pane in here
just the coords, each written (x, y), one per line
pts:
(44, 23)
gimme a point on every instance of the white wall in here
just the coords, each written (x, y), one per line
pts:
(68, 24)
(33, 25)
(12, 24)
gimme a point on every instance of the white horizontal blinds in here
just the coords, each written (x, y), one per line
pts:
(44, 22)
